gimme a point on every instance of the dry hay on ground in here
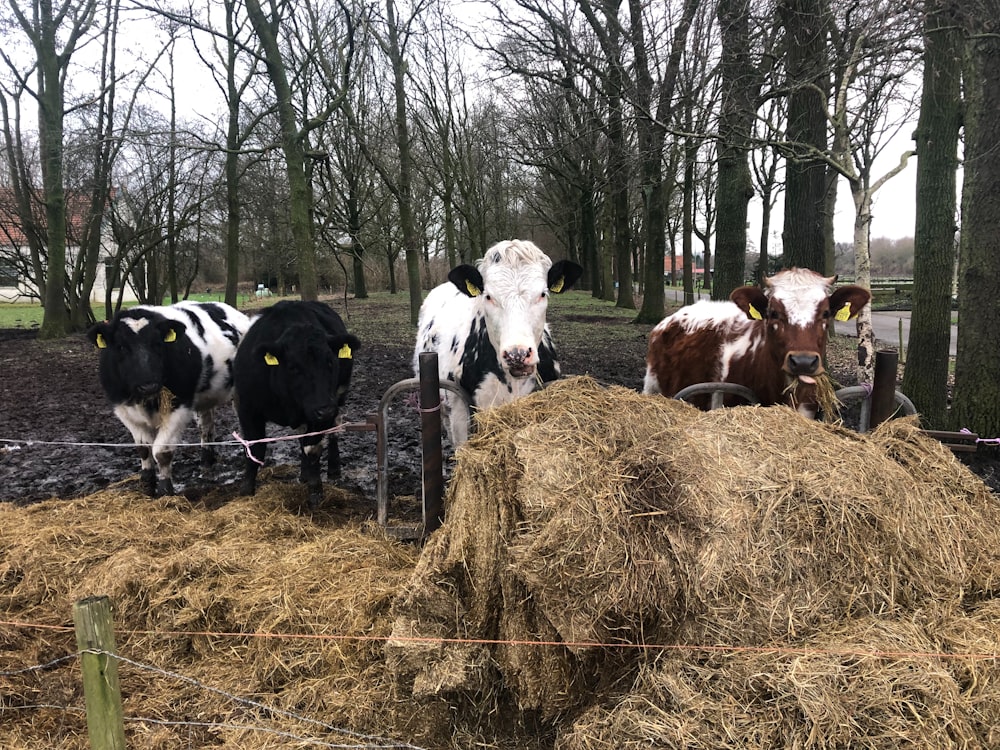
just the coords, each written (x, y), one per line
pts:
(838, 573)
(797, 585)
(176, 573)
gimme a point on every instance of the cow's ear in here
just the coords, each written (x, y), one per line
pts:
(345, 345)
(846, 301)
(99, 334)
(563, 275)
(468, 279)
(170, 330)
(269, 353)
(751, 300)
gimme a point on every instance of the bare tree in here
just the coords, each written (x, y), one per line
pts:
(806, 187)
(742, 80)
(925, 380)
(268, 22)
(873, 99)
(654, 114)
(55, 33)
(976, 402)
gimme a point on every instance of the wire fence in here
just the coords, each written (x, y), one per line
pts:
(361, 741)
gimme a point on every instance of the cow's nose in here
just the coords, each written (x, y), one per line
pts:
(518, 356)
(324, 413)
(147, 389)
(803, 363)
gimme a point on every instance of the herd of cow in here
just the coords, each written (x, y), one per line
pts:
(163, 366)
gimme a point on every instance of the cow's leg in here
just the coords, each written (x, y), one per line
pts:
(147, 472)
(169, 435)
(143, 434)
(458, 419)
(206, 426)
(312, 451)
(253, 429)
(332, 456)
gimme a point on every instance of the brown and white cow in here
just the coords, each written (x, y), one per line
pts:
(766, 339)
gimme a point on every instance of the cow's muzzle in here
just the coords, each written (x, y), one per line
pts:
(146, 390)
(520, 362)
(804, 365)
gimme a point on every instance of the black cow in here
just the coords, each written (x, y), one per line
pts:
(293, 368)
(161, 366)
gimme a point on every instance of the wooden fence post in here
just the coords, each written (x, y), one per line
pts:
(94, 632)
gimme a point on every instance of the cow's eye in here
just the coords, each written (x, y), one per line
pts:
(826, 313)
(489, 297)
(773, 314)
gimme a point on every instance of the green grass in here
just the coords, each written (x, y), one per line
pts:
(29, 315)
(19, 315)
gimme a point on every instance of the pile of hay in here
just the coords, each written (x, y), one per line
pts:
(802, 585)
(616, 570)
(176, 572)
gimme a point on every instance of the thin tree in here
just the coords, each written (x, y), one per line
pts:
(654, 114)
(267, 25)
(55, 33)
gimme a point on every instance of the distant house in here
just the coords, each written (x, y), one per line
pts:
(15, 254)
(679, 266)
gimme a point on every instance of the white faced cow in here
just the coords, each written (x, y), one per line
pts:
(488, 327)
(765, 339)
(161, 366)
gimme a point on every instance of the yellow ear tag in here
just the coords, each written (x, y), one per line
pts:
(270, 359)
(473, 289)
(171, 336)
(558, 286)
(101, 342)
(844, 313)
(345, 352)
(755, 314)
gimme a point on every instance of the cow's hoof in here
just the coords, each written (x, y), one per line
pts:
(315, 497)
(147, 478)
(166, 488)
(248, 488)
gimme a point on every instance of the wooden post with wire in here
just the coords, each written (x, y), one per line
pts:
(95, 640)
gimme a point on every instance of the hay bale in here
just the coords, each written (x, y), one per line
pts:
(582, 515)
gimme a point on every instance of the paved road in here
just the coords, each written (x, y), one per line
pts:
(887, 325)
(890, 326)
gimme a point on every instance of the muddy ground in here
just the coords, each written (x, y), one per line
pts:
(61, 439)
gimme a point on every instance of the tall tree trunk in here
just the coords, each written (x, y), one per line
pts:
(232, 164)
(734, 189)
(411, 244)
(925, 380)
(805, 174)
(976, 401)
(656, 190)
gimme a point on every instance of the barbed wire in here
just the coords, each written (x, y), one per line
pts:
(18, 443)
(572, 645)
(360, 740)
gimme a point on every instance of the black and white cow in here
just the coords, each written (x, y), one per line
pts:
(293, 368)
(488, 327)
(162, 366)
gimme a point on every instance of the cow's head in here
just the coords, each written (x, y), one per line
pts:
(136, 345)
(511, 286)
(312, 367)
(796, 307)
